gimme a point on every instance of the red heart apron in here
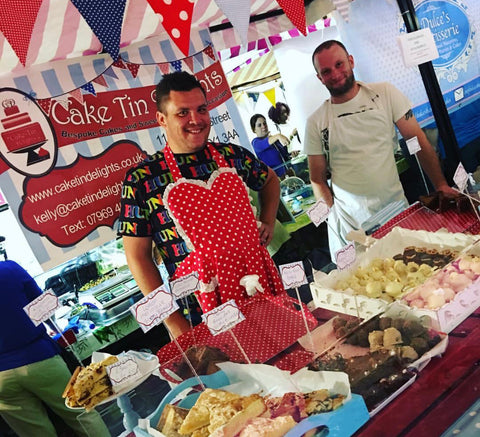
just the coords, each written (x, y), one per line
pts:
(216, 220)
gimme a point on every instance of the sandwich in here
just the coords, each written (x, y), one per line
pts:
(90, 385)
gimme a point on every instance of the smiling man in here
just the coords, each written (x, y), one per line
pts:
(191, 201)
(352, 136)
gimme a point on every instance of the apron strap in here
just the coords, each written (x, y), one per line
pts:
(172, 163)
(217, 156)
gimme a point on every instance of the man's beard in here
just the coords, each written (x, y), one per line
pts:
(345, 88)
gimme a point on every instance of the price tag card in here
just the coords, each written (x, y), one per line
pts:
(346, 256)
(461, 177)
(184, 286)
(293, 274)
(413, 145)
(223, 318)
(125, 370)
(42, 308)
(318, 213)
(154, 308)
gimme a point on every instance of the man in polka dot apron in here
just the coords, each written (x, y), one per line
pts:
(192, 200)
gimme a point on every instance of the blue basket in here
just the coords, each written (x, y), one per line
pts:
(342, 422)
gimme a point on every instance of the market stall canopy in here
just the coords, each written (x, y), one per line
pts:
(42, 31)
(262, 69)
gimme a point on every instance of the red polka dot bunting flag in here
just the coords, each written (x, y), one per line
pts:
(176, 18)
(133, 68)
(17, 19)
(209, 52)
(295, 11)
(45, 104)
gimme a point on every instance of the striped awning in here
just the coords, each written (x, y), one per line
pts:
(263, 68)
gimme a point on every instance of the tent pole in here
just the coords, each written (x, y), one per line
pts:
(435, 97)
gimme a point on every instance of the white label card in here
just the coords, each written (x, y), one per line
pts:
(293, 274)
(418, 47)
(413, 146)
(346, 256)
(154, 308)
(184, 286)
(123, 371)
(42, 308)
(223, 318)
(318, 213)
(461, 177)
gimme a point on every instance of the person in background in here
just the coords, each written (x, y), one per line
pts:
(271, 149)
(32, 372)
(163, 200)
(352, 135)
(279, 114)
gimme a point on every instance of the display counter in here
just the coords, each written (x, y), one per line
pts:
(446, 386)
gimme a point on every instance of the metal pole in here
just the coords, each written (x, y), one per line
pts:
(435, 97)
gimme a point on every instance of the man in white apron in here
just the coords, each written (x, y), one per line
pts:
(191, 200)
(352, 136)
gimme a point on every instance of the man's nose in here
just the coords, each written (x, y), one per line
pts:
(195, 117)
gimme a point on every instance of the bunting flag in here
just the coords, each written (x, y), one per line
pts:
(189, 62)
(100, 80)
(133, 68)
(119, 64)
(209, 51)
(343, 7)
(17, 19)
(88, 87)
(270, 95)
(105, 18)
(109, 72)
(77, 95)
(45, 104)
(198, 57)
(238, 13)
(176, 18)
(295, 11)
(164, 67)
(177, 65)
(63, 101)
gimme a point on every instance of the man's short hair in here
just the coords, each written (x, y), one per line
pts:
(177, 81)
(326, 45)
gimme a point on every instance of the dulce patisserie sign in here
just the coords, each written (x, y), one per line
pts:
(72, 201)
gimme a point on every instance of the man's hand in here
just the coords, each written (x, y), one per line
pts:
(448, 191)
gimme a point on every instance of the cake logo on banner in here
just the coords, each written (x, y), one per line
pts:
(27, 141)
(452, 32)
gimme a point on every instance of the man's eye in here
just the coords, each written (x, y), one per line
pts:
(202, 110)
(183, 113)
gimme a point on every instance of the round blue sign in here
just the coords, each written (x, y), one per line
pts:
(450, 27)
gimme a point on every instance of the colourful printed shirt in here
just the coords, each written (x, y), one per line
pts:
(143, 213)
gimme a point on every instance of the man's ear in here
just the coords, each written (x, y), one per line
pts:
(320, 78)
(161, 118)
(351, 60)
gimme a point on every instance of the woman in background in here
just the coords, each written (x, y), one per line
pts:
(279, 114)
(271, 149)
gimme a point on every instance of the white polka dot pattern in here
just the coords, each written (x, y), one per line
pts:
(176, 20)
(17, 27)
(272, 324)
(217, 218)
(295, 11)
(96, 14)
